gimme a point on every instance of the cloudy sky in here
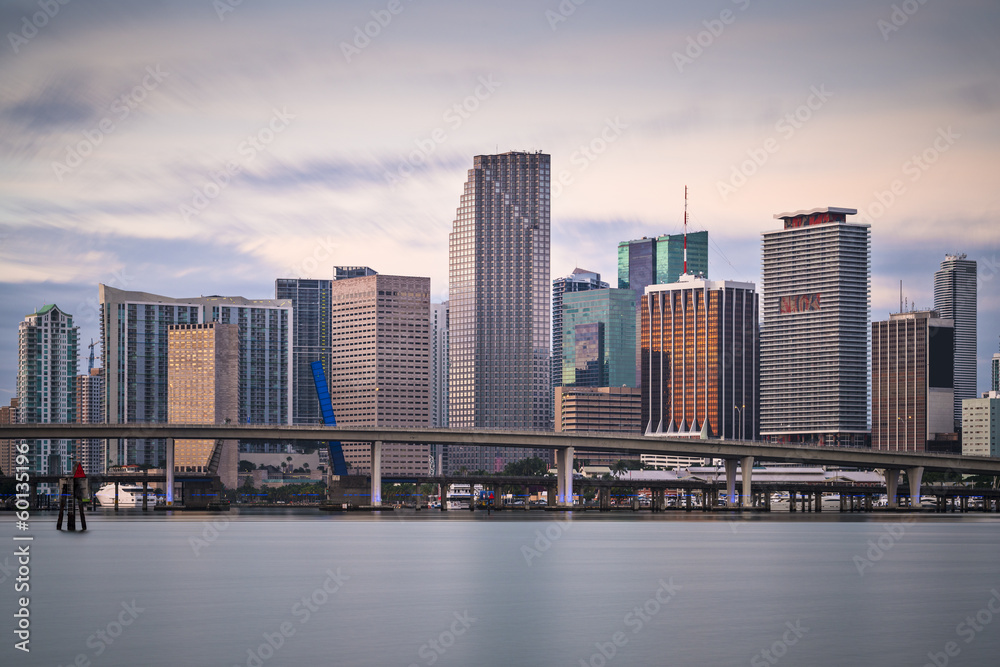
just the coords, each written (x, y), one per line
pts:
(209, 147)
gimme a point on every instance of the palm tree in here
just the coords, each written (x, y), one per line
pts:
(619, 467)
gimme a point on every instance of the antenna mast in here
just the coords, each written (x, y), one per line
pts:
(685, 230)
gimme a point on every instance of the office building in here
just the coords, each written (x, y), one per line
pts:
(995, 372)
(699, 359)
(814, 339)
(311, 341)
(134, 332)
(981, 425)
(90, 410)
(203, 388)
(598, 339)
(439, 364)
(580, 280)
(499, 281)
(912, 393)
(955, 299)
(47, 362)
(380, 369)
(345, 272)
(598, 409)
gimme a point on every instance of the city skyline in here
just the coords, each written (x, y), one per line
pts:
(895, 121)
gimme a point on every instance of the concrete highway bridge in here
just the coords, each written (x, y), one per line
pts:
(737, 454)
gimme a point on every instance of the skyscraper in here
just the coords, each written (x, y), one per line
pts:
(699, 359)
(310, 341)
(499, 375)
(439, 364)
(660, 260)
(955, 299)
(598, 339)
(814, 340)
(912, 392)
(8, 448)
(90, 410)
(995, 372)
(203, 381)
(134, 332)
(580, 280)
(47, 362)
(380, 368)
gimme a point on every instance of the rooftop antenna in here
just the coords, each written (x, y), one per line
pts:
(685, 230)
(901, 295)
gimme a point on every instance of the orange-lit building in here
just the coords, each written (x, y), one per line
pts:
(699, 359)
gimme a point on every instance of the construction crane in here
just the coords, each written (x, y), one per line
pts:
(90, 364)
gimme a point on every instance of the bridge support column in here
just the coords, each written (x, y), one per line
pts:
(915, 476)
(791, 501)
(688, 494)
(731, 482)
(892, 486)
(746, 466)
(376, 474)
(564, 466)
(170, 475)
(443, 490)
(819, 501)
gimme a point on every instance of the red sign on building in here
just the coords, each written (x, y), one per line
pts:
(800, 304)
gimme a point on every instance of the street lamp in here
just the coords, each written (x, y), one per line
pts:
(743, 430)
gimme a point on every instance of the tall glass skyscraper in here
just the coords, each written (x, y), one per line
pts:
(955, 299)
(660, 260)
(499, 305)
(814, 341)
(580, 280)
(311, 341)
(598, 339)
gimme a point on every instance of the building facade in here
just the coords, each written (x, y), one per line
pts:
(380, 368)
(439, 364)
(912, 392)
(699, 359)
(660, 260)
(311, 341)
(90, 410)
(580, 280)
(955, 299)
(598, 339)
(8, 448)
(47, 362)
(499, 281)
(203, 376)
(995, 372)
(814, 339)
(134, 333)
(981, 425)
(598, 409)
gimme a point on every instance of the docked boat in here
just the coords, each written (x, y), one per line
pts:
(129, 495)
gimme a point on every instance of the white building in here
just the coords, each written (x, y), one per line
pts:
(981, 425)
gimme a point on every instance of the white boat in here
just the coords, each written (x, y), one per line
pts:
(129, 495)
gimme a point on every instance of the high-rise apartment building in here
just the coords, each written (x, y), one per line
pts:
(995, 372)
(981, 425)
(955, 299)
(814, 340)
(499, 374)
(134, 332)
(310, 341)
(203, 388)
(598, 339)
(699, 359)
(380, 370)
(912, 392)
(47, 361)
(90, 410)
(580, 280)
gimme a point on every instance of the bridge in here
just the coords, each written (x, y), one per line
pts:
(737, 454)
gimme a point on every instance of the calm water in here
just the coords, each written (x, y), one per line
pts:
(456, 589)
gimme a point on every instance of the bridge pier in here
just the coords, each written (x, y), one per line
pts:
(915, 476)
(791, 501)
(564, 475)
(170, 475)
(892, 487)
(376, 497)
(731, 482)
(819, 501)
(746, 465)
